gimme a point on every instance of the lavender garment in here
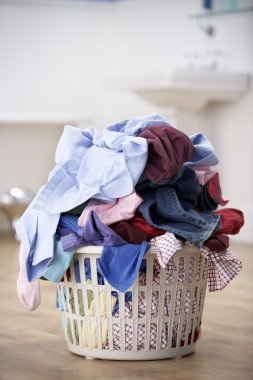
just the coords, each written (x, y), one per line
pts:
(94, 233)
(168, 150)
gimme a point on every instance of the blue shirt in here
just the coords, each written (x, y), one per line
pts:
(89, 164)
(204, 153)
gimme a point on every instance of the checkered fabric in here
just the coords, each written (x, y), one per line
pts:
(222, 266)
(141, 334)
(166, 246)
(141, 330)
(219, 268)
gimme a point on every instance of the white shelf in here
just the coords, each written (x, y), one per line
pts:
(40, 119)
(222, 12)
(193, 90)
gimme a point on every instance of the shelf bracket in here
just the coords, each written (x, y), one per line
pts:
(209, 29)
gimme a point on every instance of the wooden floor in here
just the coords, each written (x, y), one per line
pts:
(32, 345)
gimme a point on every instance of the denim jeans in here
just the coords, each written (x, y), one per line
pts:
(162, 209)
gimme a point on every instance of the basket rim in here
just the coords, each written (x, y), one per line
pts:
(95, 250)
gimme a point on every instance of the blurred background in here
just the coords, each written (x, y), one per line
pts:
(94, 63)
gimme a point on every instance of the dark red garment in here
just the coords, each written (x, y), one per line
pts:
(217, 243)
(128, 232)
(139, 221)
(232, 221)
(195, 337)
(168, 149)
(214, 190)
(136, 229)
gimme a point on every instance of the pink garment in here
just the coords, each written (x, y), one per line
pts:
(204, 173)
(122, 209)
(28, 292)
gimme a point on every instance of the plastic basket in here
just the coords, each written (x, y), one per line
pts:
(158, 317)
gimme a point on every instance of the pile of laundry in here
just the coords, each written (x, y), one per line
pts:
(138, 183)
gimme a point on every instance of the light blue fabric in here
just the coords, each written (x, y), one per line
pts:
(135, 126)
(89, 164)
(204, 153)
(59, 263)
(104, 167)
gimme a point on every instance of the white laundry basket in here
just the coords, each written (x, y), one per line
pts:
(158, 317)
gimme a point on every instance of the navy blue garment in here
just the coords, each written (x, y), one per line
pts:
(94, 232)
(128, 297)
(87, 269)
(121, 264)
(69, 222)
(185, 183)
(162, 209)
(205, 202)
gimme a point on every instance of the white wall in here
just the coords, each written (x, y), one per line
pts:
(60, 58)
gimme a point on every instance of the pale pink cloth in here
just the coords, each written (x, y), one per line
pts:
(121, 209)
(204, 173)
(28, 292)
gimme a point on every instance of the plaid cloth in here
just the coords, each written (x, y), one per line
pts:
(166, 246)
(141, 330)
(222, 266)
(219, 268)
